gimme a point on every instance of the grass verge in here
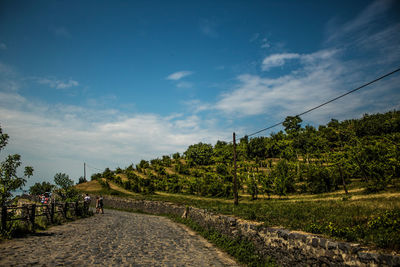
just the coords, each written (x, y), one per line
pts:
(241, 249)
(372, 220)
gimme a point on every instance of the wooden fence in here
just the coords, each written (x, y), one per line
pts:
(28, 212)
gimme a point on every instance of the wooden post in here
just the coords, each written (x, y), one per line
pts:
(65, 209)
(3, 217)
(235, 186)
(84, 170)
(77, 213)
(32, 215)
(52, 211)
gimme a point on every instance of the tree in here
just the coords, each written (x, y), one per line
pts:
(82, 180)
(41, 188)
(63, 181)
(292, 125)
(9, 179)
(200, 154)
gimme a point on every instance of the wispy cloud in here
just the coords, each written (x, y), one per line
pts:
(179, 75)
(58, 84)
(265, 43)
(9, 80)
(277, 60)
(355, 28)
(254, 37)
(3, 46)
(319, 76)
(208, 27)
(184, 84)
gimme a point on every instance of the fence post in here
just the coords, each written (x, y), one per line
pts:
(3, 217)
(65, 209)
(76, 208)
(32, 215)
(52, 211)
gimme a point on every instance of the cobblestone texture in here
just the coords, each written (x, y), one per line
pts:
(115, 238)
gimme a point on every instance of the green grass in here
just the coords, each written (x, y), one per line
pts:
(373, 221)
(241, 249)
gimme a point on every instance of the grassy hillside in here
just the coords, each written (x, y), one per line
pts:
(341, 180)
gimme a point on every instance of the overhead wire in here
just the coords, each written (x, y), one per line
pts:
(327, 102)
(88, 165)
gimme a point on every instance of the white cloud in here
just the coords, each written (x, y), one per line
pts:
(321, 76)
(277, 60)
(58, 84)
(179, 75)
(3, 46)
(56, 138)
(324, 74)
(265, 43)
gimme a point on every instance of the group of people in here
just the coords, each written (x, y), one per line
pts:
(45, 198)
(99, 203)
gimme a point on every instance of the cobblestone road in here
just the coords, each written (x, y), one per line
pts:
(115, 238)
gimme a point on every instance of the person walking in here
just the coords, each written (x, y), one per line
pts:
(86, 202)
(97, 204)
(101, 204)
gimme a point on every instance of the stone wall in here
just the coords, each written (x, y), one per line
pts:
(286, 247)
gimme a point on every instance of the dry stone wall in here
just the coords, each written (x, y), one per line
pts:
(289, 248)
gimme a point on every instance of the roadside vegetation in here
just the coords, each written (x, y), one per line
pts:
(340, 180)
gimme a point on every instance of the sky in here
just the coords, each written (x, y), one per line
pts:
(112, 82)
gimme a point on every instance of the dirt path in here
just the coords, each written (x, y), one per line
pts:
(115, 238)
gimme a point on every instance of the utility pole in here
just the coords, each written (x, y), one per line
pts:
(84, 170)
(235, 186)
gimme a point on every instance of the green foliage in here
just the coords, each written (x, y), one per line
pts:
(41, 188)
(241, 249)
(82, 180)
(9, 180)
(63, 181)
(283, 176)
(200, 154)
(292, 124)
(182, 168)
(319, 179)
(95, 176)
(377, 161)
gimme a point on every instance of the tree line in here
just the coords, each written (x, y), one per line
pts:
(301, 159)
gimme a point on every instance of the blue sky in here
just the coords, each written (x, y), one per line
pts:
(113, 82)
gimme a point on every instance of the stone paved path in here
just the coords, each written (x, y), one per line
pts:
(115, 238)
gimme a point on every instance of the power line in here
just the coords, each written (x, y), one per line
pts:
(327, 102)
(93, 167)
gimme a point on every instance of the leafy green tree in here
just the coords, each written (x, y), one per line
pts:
(176, 156)
(292, 125)
(282, 174)
(376, 161)
(9, 179)
(63, 181)
(41, 188)
(267, 184)
(252, 185)
(200, 154)
(223, 152)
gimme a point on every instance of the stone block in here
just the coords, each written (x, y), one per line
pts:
(314, 242)
(322, 243)
(283, 234)
(345, 247)
(367, 257)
